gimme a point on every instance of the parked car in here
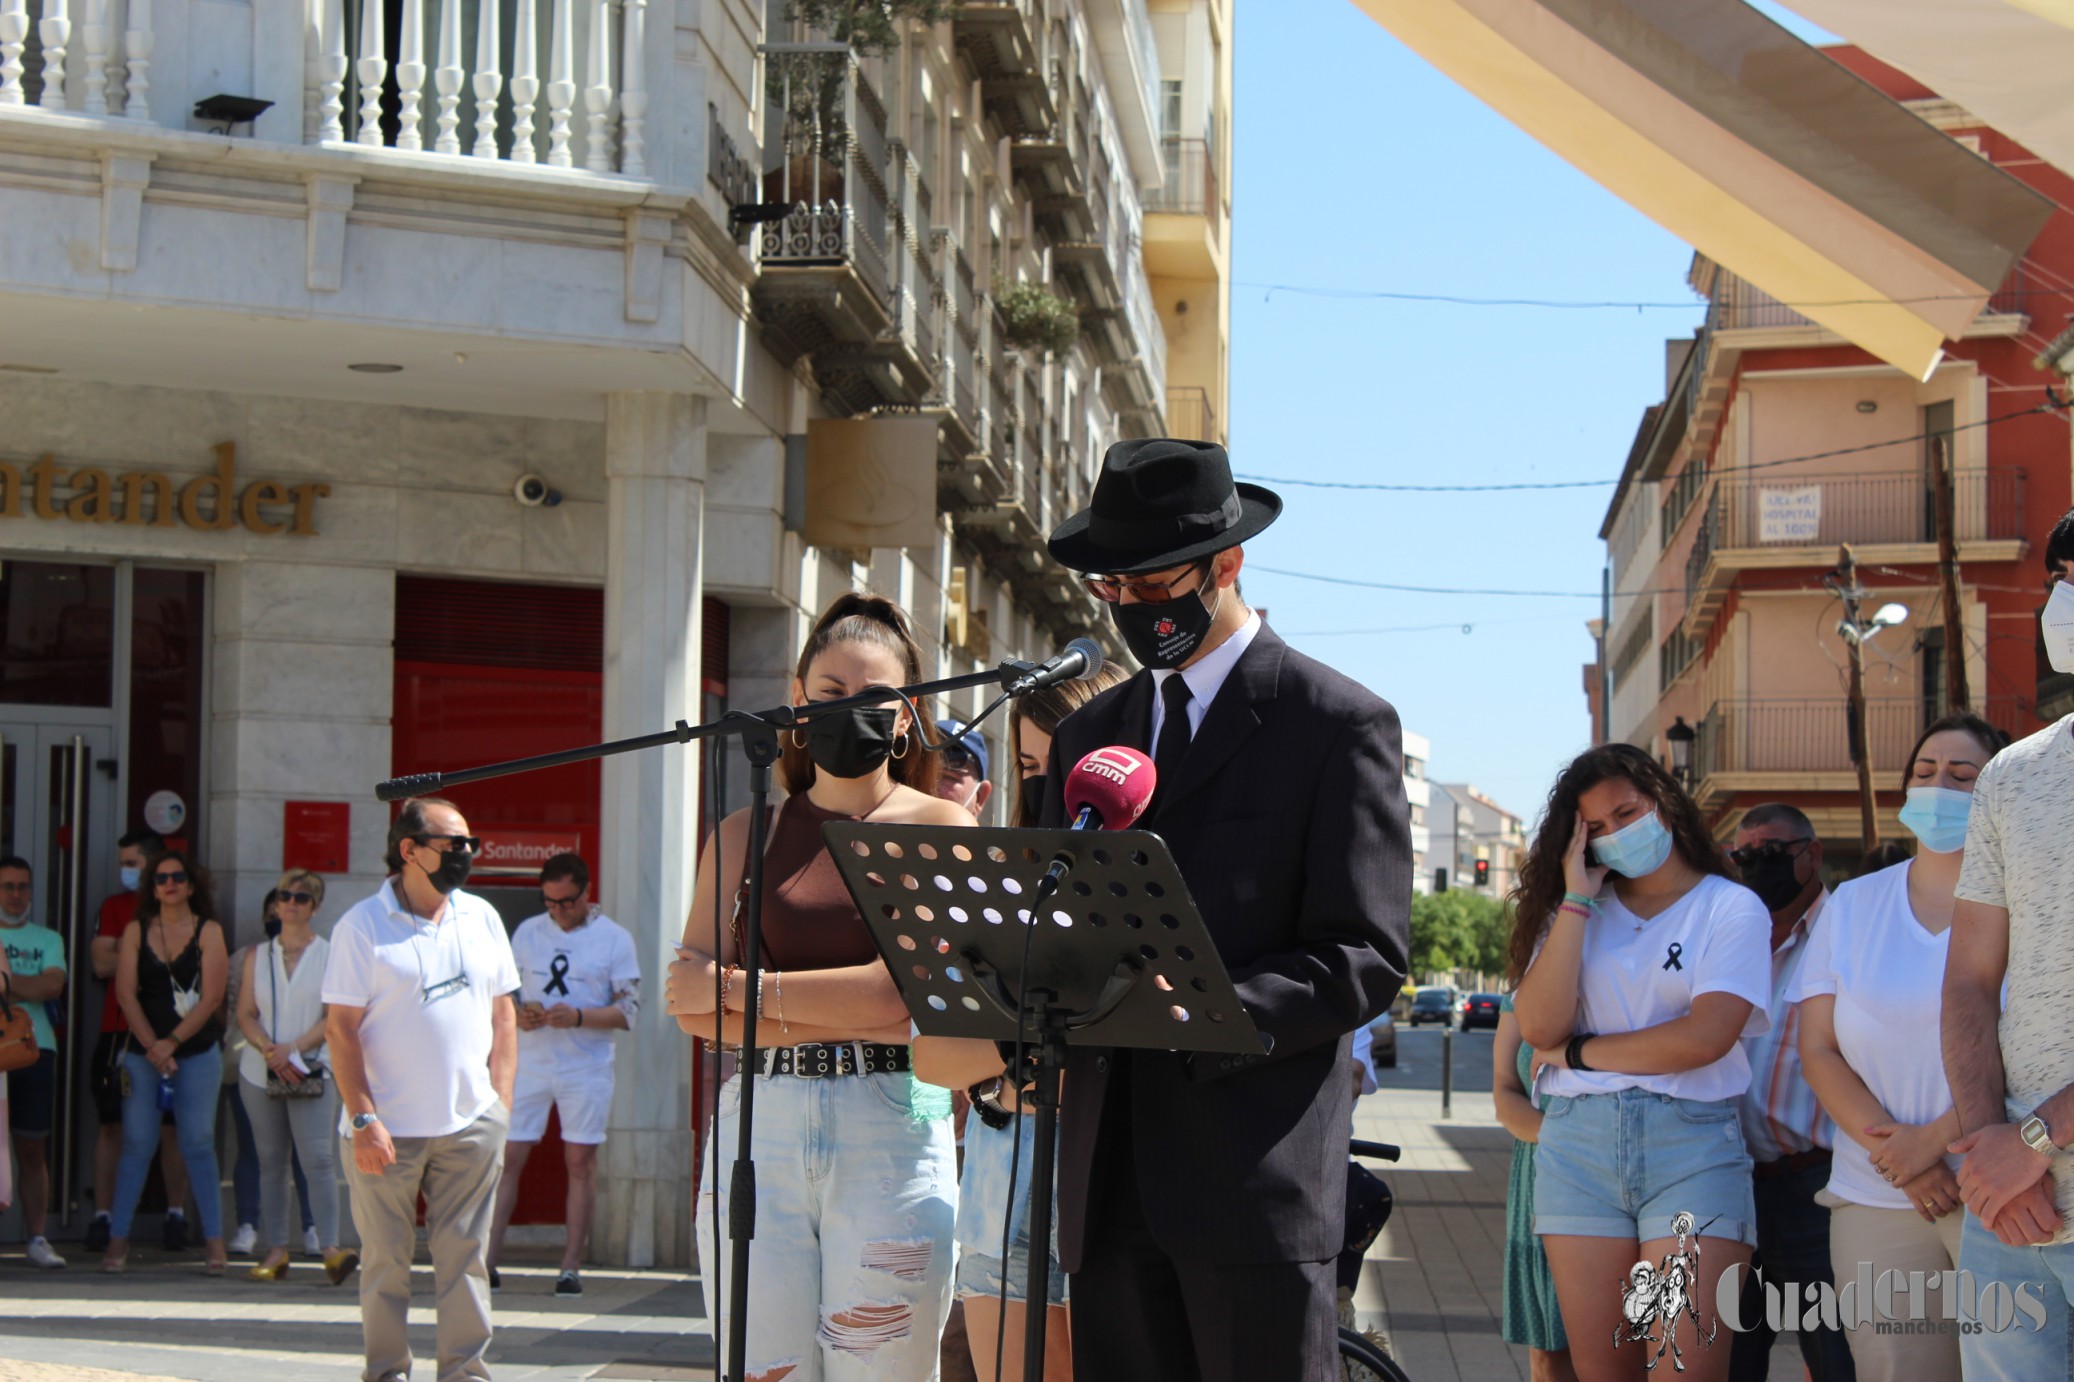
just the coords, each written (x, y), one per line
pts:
(1480, 1010)
(1382, 1036)
(1433, 1005)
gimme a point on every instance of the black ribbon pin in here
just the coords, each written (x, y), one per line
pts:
(1671, 960)
(558, 976)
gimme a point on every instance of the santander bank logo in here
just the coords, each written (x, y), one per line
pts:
(1107, 763)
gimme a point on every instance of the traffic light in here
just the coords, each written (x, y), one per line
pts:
(1483, 873)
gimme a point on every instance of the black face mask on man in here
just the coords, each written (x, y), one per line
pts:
(854, 742)
(1163, 636)
(1775, 878)
(454, 868)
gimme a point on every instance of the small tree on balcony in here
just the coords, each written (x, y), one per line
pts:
(1035, 318)
(870, 27)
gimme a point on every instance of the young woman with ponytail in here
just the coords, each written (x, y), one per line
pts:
(1641, 963)
(856, 1174)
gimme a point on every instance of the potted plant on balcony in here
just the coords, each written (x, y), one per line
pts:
(871, 27)
(1035, 318)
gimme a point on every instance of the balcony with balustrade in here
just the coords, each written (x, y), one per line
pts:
(845, 278)
(1776, 520)
(1188, 217)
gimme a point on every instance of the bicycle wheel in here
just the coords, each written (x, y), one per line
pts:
(1360, 1360)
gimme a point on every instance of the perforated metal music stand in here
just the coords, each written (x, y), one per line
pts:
(1117, 955)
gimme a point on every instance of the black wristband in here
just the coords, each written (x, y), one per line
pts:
(986, 1102)
(1573, 1054)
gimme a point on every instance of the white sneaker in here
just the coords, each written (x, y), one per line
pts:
(244, 1240)
(41, 1254)
(310, 1246)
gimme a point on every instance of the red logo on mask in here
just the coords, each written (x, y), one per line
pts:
(1164, 627)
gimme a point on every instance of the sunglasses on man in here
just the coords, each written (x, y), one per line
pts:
(466, 844)
(1770, 849)
(959, 759)
(1111, 589)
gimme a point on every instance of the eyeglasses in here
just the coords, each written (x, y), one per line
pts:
(14, 887)
(1111, 589)
(1770, 849)
(959, 759)
(169, 880)
(466, 844)
(573, 900)
(299, 899)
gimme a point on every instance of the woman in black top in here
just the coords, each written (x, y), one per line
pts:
(170, 975)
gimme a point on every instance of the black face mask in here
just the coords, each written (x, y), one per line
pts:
(1165, 635)
(853, 743)
(1033, 797)
(1774, 878)
(454, 868)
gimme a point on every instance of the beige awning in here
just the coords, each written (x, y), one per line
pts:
(2006, 61)
(1752, 147)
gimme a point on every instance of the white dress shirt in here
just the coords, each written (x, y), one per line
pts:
(1205, 677)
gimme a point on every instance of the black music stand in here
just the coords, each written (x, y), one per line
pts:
(1116, 956)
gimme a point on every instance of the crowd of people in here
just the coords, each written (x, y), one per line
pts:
(1711, 1063)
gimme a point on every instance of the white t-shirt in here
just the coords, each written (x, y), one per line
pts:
(585, 968)
(1887, 976)
(2020, 856)
(428, 989)
(1637, 974)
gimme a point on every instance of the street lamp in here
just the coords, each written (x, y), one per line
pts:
(1681, 736)
(1843, 583)
(1888, 616)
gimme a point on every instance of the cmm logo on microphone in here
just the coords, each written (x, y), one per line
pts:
(1115, 766)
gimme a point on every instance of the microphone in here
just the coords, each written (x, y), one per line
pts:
(1107, 790)
(1081, 660)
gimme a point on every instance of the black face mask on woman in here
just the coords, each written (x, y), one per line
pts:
(854, 742)
(1033, 797)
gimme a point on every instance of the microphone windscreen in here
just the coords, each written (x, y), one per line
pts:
(1116, 782)
(1090, 657)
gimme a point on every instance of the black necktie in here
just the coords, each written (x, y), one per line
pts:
(1174, 733)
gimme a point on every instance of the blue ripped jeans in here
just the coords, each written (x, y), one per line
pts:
(850, 1269)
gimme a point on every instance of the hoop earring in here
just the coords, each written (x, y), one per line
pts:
(904, 742)
(796, 741)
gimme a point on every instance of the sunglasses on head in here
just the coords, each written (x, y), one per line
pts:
(466, 844)
(299, 899)
(165, 880)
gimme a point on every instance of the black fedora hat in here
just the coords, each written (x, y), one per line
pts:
(1158, 503)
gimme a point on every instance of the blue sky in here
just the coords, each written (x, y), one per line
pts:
(1360, 167)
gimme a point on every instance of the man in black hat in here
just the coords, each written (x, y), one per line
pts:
(1202, 1199)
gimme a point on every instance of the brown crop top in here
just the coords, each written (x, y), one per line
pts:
(809, 918)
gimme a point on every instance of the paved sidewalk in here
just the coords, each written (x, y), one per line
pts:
(164, 1319)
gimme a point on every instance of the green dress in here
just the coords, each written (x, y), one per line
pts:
(1532, 1317)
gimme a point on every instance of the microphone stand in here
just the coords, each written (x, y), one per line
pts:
(758, 731)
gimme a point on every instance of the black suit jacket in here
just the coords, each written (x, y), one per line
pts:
(1288, 820)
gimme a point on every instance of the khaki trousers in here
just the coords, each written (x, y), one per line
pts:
(1898, 1240)
(458, 1176)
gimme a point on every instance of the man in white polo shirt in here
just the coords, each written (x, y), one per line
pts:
(424, 1042)
(579, 982)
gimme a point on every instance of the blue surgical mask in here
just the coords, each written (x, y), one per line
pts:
(132, 875)
(1637, 849)
(1937, 816)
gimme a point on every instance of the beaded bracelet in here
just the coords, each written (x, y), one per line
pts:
(1573, 907)
(727, 984)
(1590, 904)
(778, 989)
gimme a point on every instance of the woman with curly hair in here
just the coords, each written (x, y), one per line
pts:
(1641, 962)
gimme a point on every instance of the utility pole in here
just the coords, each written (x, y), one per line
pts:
(1944, 484)
(1845, 583)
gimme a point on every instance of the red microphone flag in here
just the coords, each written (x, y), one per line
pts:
(1115, 783)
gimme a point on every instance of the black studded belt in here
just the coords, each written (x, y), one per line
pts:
(815, 1061)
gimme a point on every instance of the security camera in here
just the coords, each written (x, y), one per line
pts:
(535, 493)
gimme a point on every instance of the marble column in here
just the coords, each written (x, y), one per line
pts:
(655, 467)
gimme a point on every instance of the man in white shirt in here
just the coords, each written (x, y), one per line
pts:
(579, 982)
(424, 1043)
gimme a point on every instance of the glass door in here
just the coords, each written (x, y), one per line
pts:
(57, 810)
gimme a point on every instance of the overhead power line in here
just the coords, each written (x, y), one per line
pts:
(2053, 404)
(1268, 291)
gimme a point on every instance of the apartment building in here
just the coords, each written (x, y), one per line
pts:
(1471, 829)
(399, 385)
(1418, 795)
(1777, 443)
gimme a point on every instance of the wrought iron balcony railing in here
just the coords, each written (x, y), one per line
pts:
(1190, 188)
(1797, 735)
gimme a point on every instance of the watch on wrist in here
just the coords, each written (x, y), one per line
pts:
(363, 1121)
(2037, 1135)
(986, 1102)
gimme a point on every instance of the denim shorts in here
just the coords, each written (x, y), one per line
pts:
(1625, 1165)
(984, 1211)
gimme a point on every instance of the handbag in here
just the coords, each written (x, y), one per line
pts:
(17, 1037)
(309, 1086)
